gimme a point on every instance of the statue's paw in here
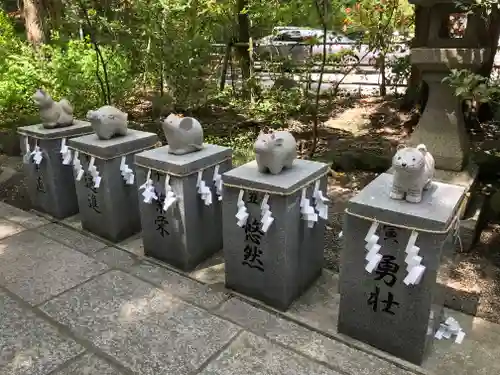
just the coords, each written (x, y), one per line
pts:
(396, 195)
(413, 198)
(275, 169)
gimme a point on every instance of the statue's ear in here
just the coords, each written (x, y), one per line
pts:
(278, 141)
(422, 148)
(401, 146)
(186, 123)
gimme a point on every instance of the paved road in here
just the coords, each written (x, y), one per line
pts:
(363, 82)
(73, 304)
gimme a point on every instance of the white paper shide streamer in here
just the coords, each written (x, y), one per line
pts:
(218, 182)
(242, 214)
(320, 201)
(307, 210)
(413, 261)
(170, 197)
(27, 153)
(149, 190)
(126, 172)
(66, 153)
(448, 328)
(37, 154)
(373, 256)
(77, 167)
(204, 190)
(266, 215)
(94, 173)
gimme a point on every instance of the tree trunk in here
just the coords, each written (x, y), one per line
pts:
(414, 91)
(33, 14)
(242, 49)
(493, 34)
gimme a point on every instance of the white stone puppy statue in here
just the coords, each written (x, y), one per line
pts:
(413, 173)
(275, 151)
(184, 134)
(53, 114)
(108, 122)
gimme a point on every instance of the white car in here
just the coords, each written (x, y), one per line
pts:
(294, 43)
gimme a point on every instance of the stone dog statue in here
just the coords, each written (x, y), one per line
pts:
(184, 134)
(275, 151)
(53, 114)
(108, 122)
(413, 173)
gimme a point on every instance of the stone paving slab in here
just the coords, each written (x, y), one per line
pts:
(72, 238)
(26, 219)
(147, 330)
(250, 354)
(133, 245)
(8, 228)
(88, 364)
(37, 268)
(73, 222)
(115, 258)
(478, 354)
(28, 344)
(344, 358)
(180, 286)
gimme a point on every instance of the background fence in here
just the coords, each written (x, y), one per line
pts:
(363, 77)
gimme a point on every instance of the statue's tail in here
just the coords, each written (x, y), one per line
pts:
(66, 106)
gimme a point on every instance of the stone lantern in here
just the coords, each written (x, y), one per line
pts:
(442, 127)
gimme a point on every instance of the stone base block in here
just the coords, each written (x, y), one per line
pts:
(190, 231)
(110, 211)
(376, 306)
(277, 266)
(51, 186)
(471, 223)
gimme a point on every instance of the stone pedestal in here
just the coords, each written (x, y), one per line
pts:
(189, 231)
(277, 266)
(442, 126)
(111, 210)
(51, 186)
(378, 308)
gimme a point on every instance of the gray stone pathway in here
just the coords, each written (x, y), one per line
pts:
(73, 304)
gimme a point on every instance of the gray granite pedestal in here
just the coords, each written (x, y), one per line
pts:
(277, 266)
(51, 186)
(189, 231)
(378, 308)
(111, 210)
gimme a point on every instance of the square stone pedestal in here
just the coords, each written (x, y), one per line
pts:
(377, 307)
(189, 231)
(51, 186)
(277, 266)
(111, 210)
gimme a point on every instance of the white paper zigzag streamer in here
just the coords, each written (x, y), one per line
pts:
(37, 154)
(204, 190)
(320, 201)
(126, 172)
(218, 182)
(66, 153)
(413, 261)
(77, 166)
(27, 153)
(266, 215)
(170, 197)
(373, 256)
(94, 173)
(149, 190)
(242, 214)
(307, 210)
